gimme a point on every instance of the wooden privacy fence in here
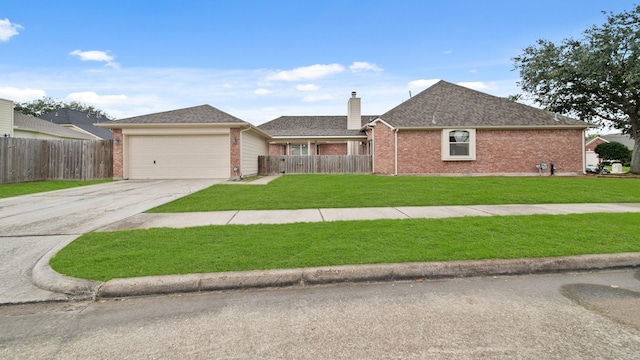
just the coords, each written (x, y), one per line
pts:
(23, 160)
(318, 164)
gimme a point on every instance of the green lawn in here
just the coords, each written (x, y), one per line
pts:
(341, 191)
(9, 190)
(122, 254)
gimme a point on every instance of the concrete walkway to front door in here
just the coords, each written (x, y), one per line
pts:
(33, 225)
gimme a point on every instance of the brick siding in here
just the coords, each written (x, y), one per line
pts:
(333, 149)
(515, 152)
(118, 143)
(234, 147)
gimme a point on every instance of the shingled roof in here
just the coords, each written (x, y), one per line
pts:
(80, 120)
(34, 124)
(203, 114)
(320, 126)
(449, 105)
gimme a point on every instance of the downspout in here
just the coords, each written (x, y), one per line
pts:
(396, 150)
(240, 141)
(584, 151)
(373, 150)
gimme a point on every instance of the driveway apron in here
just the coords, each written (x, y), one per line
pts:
(32, 225)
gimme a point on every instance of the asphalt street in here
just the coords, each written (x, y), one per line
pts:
(575, 315)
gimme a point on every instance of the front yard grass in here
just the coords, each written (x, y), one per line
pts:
(163, 251)
(344, 191)
(9, 190)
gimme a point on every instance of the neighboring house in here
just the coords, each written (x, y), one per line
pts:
(16, 124)
(27, 126)
(196, 142)
(590, 146)
(79, 121)
(6, 118)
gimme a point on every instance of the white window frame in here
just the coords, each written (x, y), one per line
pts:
(302, 148)
(446, 152)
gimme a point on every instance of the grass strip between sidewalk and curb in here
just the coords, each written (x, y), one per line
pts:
(10, 190)
(163, 251)
(354, 191)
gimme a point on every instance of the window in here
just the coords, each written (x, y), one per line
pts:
(458, 144)
(299, 149)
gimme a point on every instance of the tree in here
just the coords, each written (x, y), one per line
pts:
(48, 104)
(612, 151)
(596, 78)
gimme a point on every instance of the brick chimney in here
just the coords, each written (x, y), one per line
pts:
(353, 113)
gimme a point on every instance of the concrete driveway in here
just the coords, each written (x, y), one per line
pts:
(33, 225)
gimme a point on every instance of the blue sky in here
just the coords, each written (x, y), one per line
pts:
(259, 59)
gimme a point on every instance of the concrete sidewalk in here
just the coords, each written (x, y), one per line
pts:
(48, 279)
(248, 217)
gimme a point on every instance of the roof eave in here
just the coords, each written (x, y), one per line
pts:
(194, 125)
(502, 127)
(50, 133)
(294, 137)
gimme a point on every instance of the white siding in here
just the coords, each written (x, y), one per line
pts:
(253, 145)
(34, 135)
(6, 117)
(177, 156)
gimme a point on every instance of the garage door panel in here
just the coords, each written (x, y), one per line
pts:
(178, 157)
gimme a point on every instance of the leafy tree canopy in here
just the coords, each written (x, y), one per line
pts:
(48, 104)
(613, 151)
(596, 78)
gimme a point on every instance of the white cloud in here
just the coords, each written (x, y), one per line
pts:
(90, 97)
(478, 85)
(306, 72)
(422, 83)
(473, 71)
(96, 55)
(21, 95)
(8, 30)
(307, 87)
(262, 91)
(227, 86)
(315, 98)
(359, 66)
(447, 52)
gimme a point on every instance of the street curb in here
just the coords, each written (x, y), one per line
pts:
(45, 277)
(159, 285)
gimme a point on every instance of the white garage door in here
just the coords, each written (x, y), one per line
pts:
(178, 157)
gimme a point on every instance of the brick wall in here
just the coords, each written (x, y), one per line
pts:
(333, 149)
(118, 143)
(383, 150)
(234, 147)
(275, 150)
(497, 152)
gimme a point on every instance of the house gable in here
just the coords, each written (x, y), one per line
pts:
(445, 105)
